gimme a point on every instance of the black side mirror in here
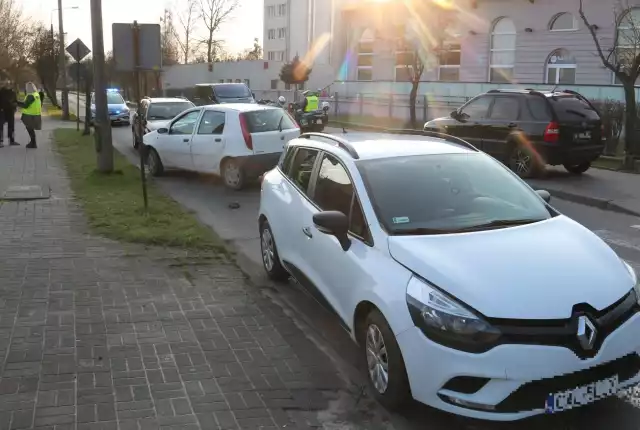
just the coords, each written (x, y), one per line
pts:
(454, 114)
(336, 224)
(545, 195)
(163, 130)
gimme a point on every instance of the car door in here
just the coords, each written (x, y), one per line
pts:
(470, 121)
(334, 272)
(502, 121)
(175, 146)
(207, 144)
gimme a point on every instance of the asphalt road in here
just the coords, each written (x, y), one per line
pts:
(211, 202)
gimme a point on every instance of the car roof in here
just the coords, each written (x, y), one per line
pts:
(239, 107)
(167, 100)
(387, 145)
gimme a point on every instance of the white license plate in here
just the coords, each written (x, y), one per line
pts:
(582, 136)
(581, 396)
(319, 121)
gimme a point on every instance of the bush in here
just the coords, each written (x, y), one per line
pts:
(612, 114)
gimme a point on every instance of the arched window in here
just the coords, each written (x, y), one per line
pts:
(503, 50)
(561, 68)
(628, 38)
(365, 56)
(563, 22)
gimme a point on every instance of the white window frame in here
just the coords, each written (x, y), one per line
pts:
(492, 49)
(282, 9)
(453, 66)
(557, 67)
(271, 11)
(271, 34)
(282, 33)
(368, 54)
(559, 30)
(280, 56)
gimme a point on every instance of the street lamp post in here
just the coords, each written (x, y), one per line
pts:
(61, 56)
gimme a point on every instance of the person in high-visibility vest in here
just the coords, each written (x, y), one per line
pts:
(311, 101)
(31, 109)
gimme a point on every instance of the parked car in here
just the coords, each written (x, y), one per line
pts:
(238, 142)
(464, 288)
(155, 113)
(207, 94)
(528, 129)
(119, 112)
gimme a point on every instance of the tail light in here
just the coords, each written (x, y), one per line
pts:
(552, 133)
(248, 140)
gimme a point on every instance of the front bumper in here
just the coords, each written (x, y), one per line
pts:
(515, 374)
(120, 118)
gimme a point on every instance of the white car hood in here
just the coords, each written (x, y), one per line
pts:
(154, 125)
(534, 271)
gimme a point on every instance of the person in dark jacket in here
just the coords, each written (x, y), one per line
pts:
(31, 112)
(8, 105)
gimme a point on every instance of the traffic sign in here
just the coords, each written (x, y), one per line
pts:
(78, 50)
(149, 42)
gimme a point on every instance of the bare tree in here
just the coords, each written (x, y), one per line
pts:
(14, 36)
(214, 13)
(254, 53)
(170, 54)
(623, 59)
(188, 24)
(43, 50)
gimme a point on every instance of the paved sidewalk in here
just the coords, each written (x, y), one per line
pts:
(98, 337)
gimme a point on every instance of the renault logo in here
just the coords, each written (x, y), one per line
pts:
(586, 333)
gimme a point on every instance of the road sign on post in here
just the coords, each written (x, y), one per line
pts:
(78, 50)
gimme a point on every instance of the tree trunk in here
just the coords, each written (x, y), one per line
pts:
(413, 96)
(210, 48)
(52, 96)
(87, 108)
(629, 124)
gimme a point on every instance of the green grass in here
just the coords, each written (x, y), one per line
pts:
(114, 205)
(55, 112)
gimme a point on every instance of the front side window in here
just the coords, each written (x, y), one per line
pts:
(212, 122)
(302, 167)
(477, 109)
(185, 124)
(448, 193)
(503, 51)
(334, 191)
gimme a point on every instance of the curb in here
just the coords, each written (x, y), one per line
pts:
(596, 202)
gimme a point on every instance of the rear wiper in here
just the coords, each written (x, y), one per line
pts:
(500, 223)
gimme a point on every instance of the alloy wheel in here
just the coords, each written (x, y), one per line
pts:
(377, 359)
(232, 174)
(522, 162)
(268, 250)
(151, 161)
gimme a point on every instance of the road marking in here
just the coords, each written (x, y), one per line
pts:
(636, 226)
(617, 239)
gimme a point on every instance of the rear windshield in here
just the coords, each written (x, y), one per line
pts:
(261, 121)
(169, 110)
(232, 91)
(572, 108)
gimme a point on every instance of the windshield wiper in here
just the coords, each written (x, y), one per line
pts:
(500, 223)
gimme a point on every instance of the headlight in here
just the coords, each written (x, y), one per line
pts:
(634, 277)
(447, 322)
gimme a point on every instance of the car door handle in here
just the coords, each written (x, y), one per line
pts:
(307, 232)
(218, 140)
(185, 140)
(281, 137)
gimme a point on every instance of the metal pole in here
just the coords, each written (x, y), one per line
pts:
(141, 151)
(78, 89)
(63, 66)
(104, 145)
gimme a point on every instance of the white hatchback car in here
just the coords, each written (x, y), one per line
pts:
(235, 141)
(464, 288)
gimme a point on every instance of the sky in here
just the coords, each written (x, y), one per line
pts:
(238, 33)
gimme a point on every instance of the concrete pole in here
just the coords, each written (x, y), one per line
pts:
(63, 65)
(104, 144)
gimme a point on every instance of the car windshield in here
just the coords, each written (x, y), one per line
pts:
(264, 120)
(163, 111)
(228, 91)
(114, 99)
(448, 193)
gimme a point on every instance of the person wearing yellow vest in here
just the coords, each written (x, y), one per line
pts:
(311, 101)
(31, 109)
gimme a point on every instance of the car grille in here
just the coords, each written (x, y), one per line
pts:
(533, 395)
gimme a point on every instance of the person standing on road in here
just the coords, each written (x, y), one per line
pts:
(31, 112)
(8, 105)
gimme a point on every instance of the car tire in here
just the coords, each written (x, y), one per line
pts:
(524, 162)
(270, 257)
(154, 163)
(233, 174)
(136, 144)
(577, 169)
(381, 350)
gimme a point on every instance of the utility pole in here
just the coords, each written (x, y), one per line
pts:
(104, 145)
(63, 66)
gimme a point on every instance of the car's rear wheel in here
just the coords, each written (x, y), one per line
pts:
(387, 374)
(524, 162)
(577, 169)
(270, 258)
(154, 163)
(233, 174)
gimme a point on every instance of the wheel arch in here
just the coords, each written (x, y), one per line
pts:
(363, 309)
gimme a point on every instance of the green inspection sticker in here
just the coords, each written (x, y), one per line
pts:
(400, 219)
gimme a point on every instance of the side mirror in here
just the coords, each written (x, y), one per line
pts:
(545, 195)
(336, 224)
(454, 114)
(163, 130)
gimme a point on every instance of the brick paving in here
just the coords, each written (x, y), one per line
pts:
(98, 336)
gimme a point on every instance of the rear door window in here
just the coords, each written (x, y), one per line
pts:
(505, 108)
(572, 108)
(261, 121)
(536, 109)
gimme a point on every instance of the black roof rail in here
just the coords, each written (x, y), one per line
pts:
(342, 143)
(435, 134)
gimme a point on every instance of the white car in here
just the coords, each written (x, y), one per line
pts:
(238, 142)
(463, 287)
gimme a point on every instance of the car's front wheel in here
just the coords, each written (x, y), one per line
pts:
(270, 258)
(385, 365)
(577, 169)
(154, 163)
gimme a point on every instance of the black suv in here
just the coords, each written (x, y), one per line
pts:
(526, 129)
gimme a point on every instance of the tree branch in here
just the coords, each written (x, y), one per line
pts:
(592, 31)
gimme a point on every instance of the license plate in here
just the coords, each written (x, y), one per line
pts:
(583, 136)
(581, 396)
(319, 121)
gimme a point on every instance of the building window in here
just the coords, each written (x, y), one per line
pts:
(275, 55)
(449, 62)
(271, 11)
(365, 56)
(271, 34)
(282, 33)
(627, 40)
(563, 22)
(279, 55)
(282, 9)
(561, 68)
(247, 81)
(274, 84)
(503, 50)
(271, 56)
